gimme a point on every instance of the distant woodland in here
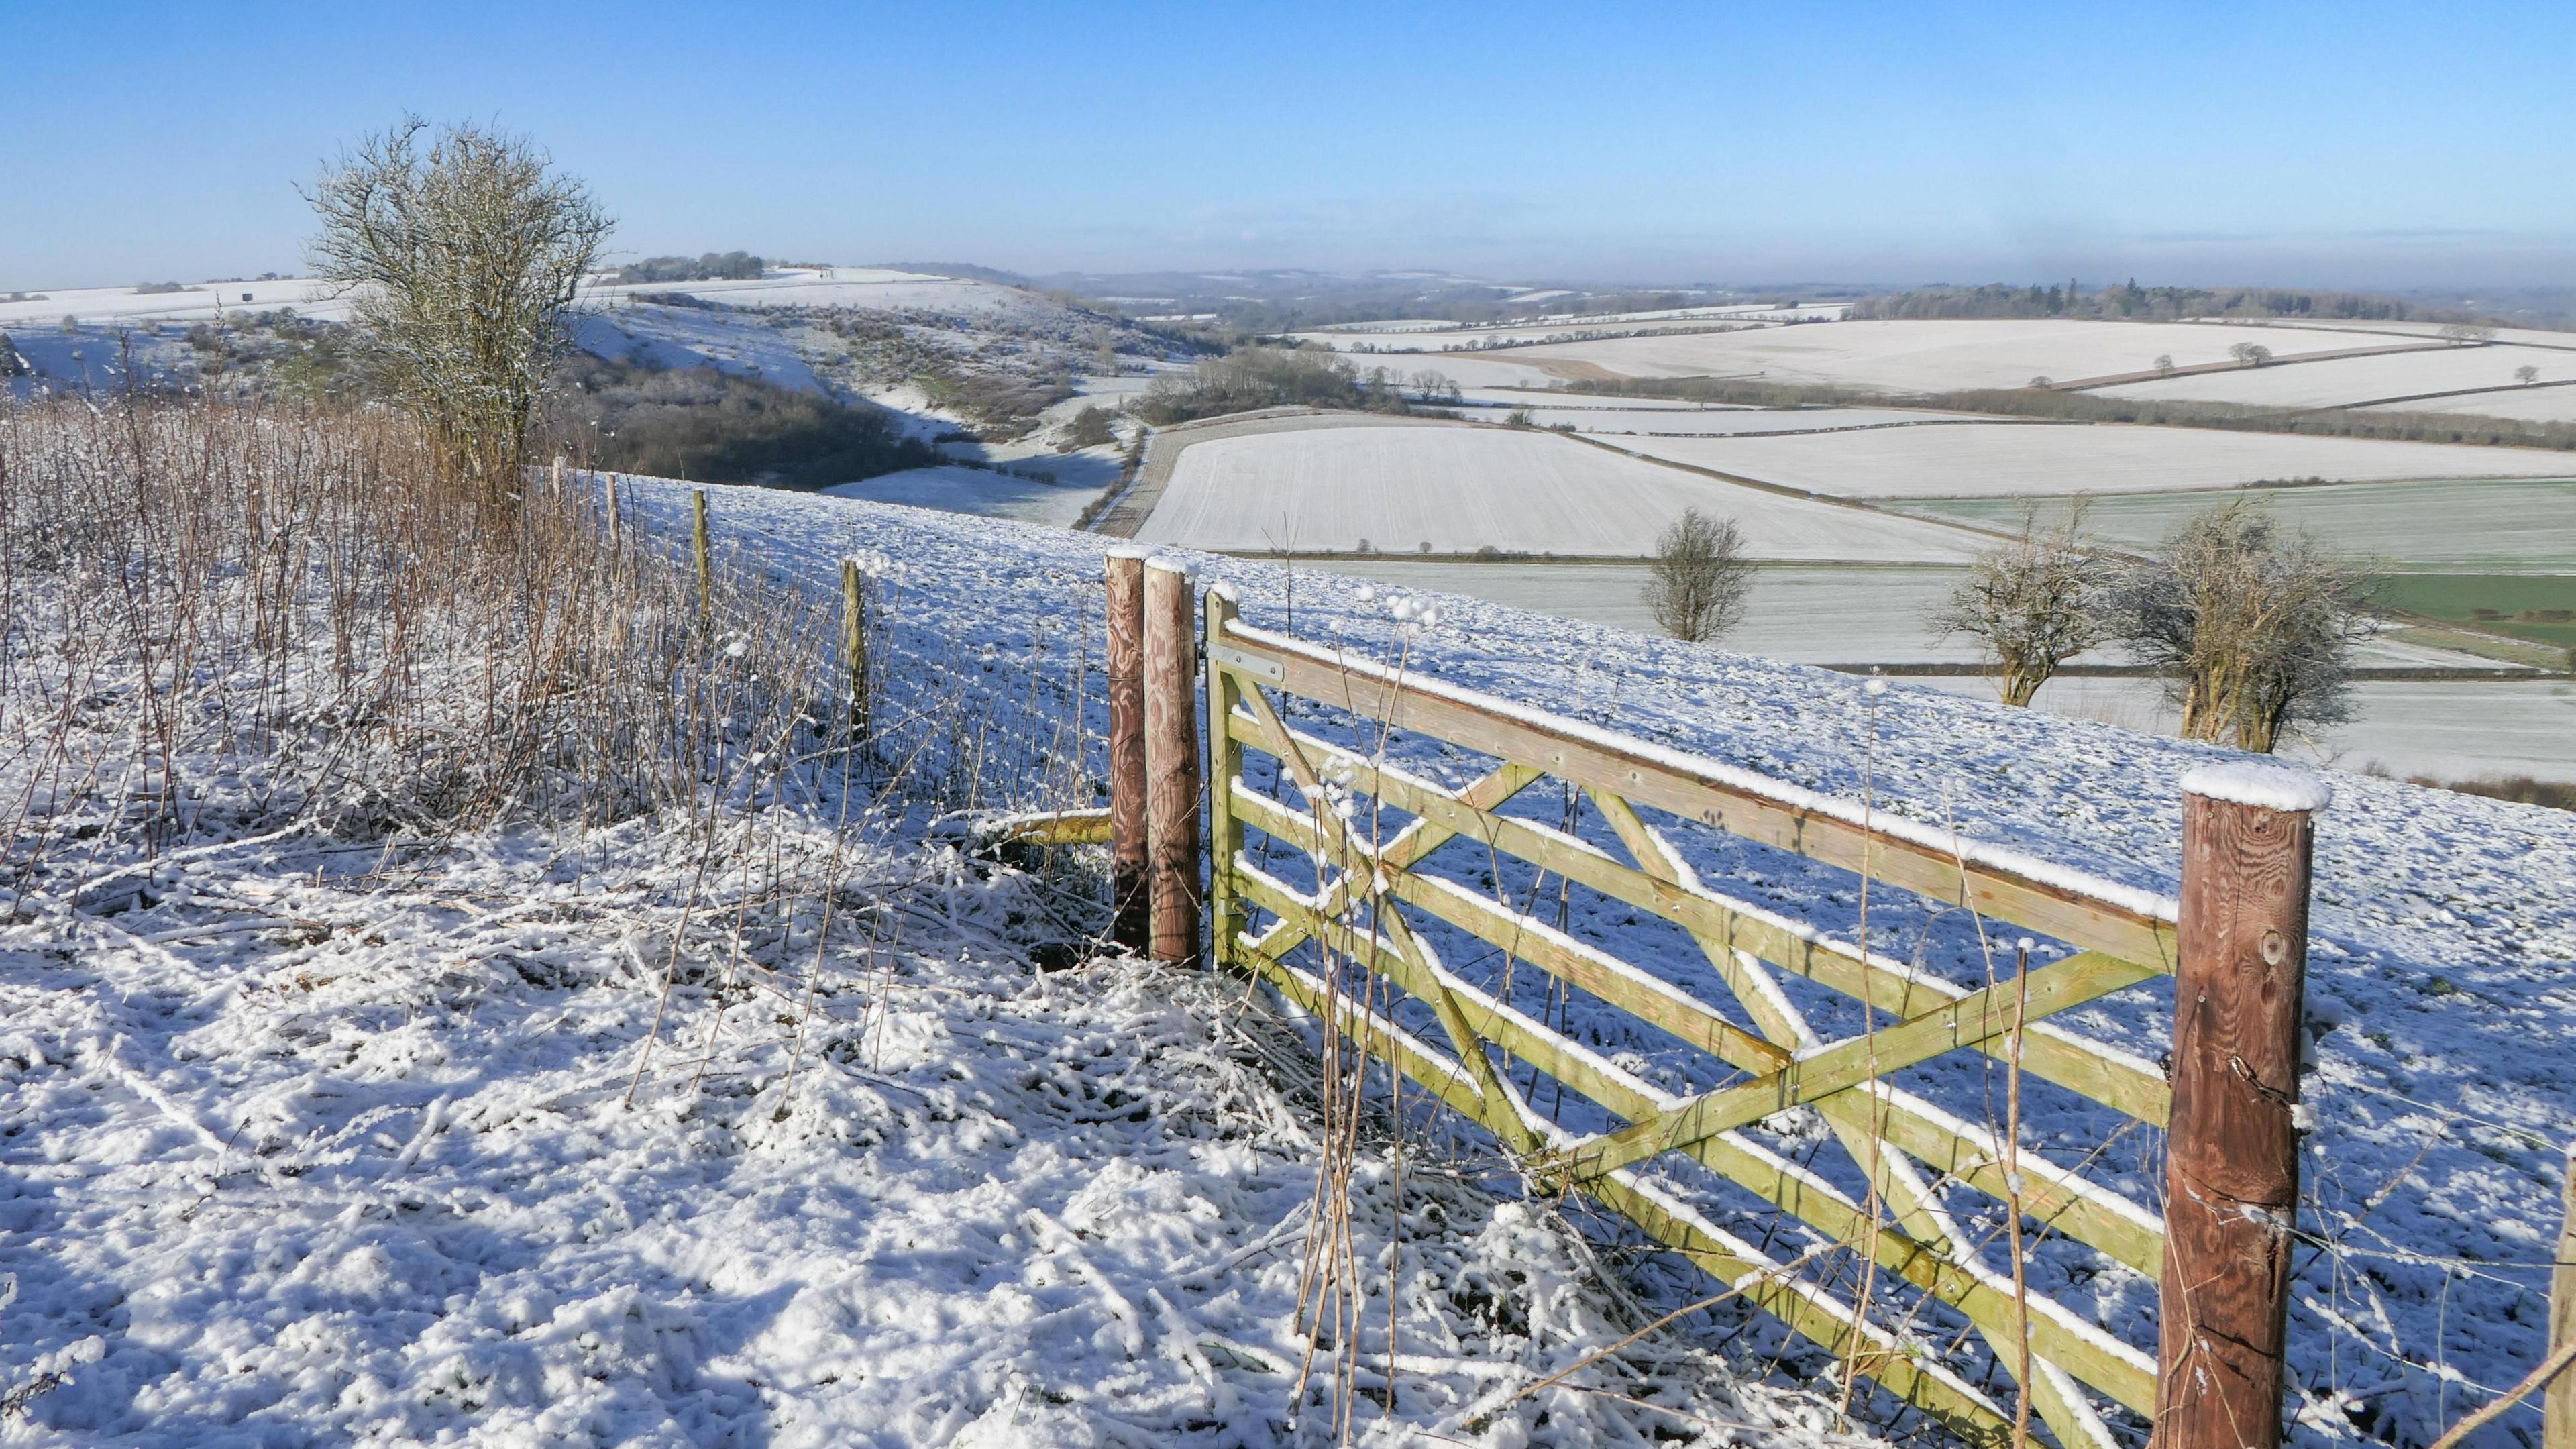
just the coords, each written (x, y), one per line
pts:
(2150, 304)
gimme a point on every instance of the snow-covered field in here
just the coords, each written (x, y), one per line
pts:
(2439, 729)
(2001, 459)
(1460, 489)
(1910, 356)
(2532, 404)
(2340, 381)
(1714, 422)
(960, 489)
(1420, 335)
(1838, 614)
(2529, 336)
(2519, 526)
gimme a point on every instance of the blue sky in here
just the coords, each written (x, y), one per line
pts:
(2349, 144)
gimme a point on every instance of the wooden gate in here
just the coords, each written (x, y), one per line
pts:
(1371, 898)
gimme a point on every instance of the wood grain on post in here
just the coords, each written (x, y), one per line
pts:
(1130, 921)
(2558, 1409)
(854, 645)
(698, 546)
(1224, 763)
(2232, 1145)
(1172, 763)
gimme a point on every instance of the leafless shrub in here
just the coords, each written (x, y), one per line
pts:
(276, 617)
(2031, 603)
(2256, 628)
(460, 258)
(1697, 582)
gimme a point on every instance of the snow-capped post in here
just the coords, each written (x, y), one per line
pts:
(1172, 762)
(1224, 762)
(698, 546)
(2232, 1141)
(854, 646)
(1131, 912)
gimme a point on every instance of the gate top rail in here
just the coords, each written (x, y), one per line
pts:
(2086, 911)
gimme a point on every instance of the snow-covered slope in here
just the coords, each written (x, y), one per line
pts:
(2442, 988)
(304, 1143)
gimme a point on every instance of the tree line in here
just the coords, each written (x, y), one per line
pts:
(1266, 377)
(2147, 304)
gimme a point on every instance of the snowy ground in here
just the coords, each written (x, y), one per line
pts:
(960, 489)
(300, 1150)
(2343, 381)
(1998, 459)
(1457, 489)
(304, 1154)
(1905, 356)
(2443, 935)
(325, 1138)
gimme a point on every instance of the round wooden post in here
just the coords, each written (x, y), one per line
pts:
(854, 645)
(1172, 762)
(698, 546)
(1130, 920)
(2231, 1146)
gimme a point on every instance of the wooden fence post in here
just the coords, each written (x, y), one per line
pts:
(555, 487)
(2558, 1409)
(2231, 1147)
(1130, 921)
(1172, 762)
(698, 544)
(854, 646)
(1224, 763)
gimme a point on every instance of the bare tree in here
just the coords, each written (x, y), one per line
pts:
(1697, 582)
(2256, 628)
(2526, 374)
(2032, 603)
(2164, 362)
(460, 252)
(2252, 354)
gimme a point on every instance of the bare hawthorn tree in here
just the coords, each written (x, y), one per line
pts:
(2252, 354)
(460, 251)
(2526, 374)
(2032, 603)
(2256, 628)
(1696, 585)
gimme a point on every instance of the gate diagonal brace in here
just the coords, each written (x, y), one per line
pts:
(1977, 1017)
